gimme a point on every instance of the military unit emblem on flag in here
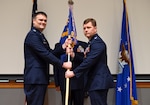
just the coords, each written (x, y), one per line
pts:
(69, 29)
(126, 81)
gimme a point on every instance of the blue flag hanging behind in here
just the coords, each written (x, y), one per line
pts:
(126, 81)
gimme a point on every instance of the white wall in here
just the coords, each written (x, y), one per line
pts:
(15, 22)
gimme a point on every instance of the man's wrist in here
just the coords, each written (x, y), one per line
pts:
(64, 46)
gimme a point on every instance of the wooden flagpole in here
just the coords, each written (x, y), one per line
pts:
(70, 2)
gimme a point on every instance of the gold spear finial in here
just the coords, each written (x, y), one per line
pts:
(70, 2)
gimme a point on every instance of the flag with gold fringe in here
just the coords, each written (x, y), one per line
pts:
(69, 30)
(126, 81)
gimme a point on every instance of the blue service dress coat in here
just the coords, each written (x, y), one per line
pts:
(38, 55)
(59, 73)
(76, 93)
(95, 65)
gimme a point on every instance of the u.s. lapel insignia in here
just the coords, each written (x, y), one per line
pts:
(44, 41)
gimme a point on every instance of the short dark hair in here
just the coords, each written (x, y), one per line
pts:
(37, 13)
(93, 21)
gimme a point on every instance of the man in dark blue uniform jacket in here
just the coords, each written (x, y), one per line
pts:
(38, 55)
(76, 90)
(99, 78)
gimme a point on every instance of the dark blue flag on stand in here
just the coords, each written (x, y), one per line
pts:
(69, 30)
(34, 9)
(126, 82)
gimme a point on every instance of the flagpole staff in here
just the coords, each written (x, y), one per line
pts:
(67, 81)
(70, 2)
